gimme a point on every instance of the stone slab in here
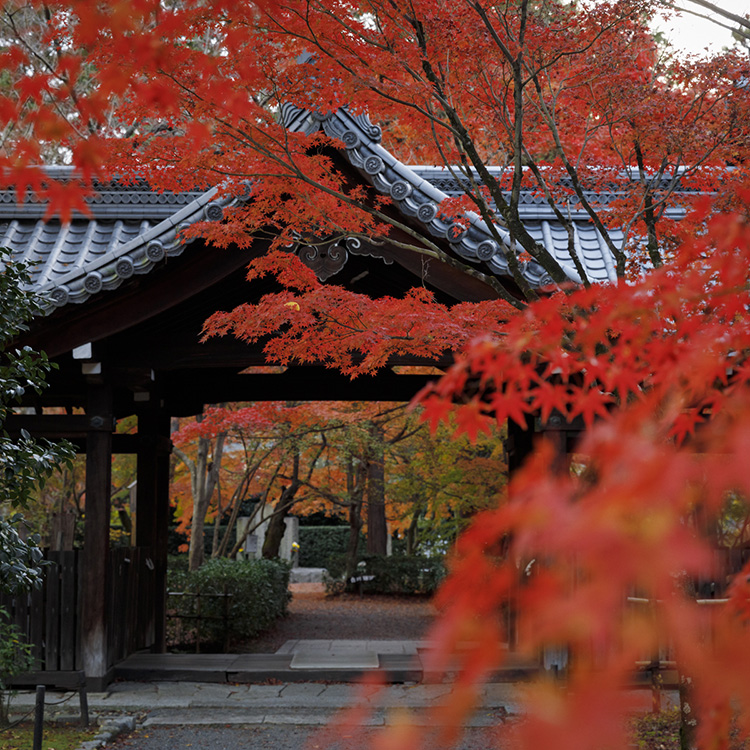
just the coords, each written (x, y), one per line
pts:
(401, 667)
(315, 718)
(205, 717)
(328, 661)
(248, 662)
(306, 575)
(304, 692)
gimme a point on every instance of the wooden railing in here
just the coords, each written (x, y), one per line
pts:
(183, 635)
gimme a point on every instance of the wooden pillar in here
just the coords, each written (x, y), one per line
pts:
(564, 436)
(145, 494)
(152, 509)
(519, 444)
(95, 573)
(163, 517)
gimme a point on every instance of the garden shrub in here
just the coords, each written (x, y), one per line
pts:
(318, 543)
(390, 575)
(15, 659)
(259, 592)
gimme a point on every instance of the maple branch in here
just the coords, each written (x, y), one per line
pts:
(431, 250)
(515, 225)
(370, 84)
(618, 254)
(565, 221)
(744, 25)
(184, 458)
(20, 39)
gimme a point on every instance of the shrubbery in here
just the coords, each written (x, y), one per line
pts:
(390, 575)
(15, 659)
(259, 592)
(318, 543)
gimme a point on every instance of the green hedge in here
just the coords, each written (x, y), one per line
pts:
(318, 543)
(176, 539)
(259, 596)
(391, 575)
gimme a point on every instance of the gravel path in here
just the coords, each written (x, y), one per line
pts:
(269, 737)
(313, 615)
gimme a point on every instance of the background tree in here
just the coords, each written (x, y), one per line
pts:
(204, 475)
(374, 464)
(438, 482)
(267, 449)
(24, 462)
(57, 508)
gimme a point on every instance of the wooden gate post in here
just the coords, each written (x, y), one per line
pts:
(95, 574)
(163, 517)
(152, 508)
(518, 447)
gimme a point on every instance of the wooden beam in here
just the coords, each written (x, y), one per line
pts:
(185, 393)
(56, 426)
(76, 428)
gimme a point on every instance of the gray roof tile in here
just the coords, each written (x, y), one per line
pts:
(132, 227)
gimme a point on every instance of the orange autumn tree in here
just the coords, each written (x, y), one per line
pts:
(571, 100)
(231, 453)
(347, 459)
(438, 481)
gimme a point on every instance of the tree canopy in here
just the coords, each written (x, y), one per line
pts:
(567, 98)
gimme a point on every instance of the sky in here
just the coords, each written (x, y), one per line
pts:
(691, 34)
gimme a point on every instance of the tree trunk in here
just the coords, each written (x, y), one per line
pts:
(688, 718)
(688, 715)
(355, 481)
(235, 503)
(203, 478)
(217, 523)
(411, 532)
(276, 526)
(377, 529)
(352, 547)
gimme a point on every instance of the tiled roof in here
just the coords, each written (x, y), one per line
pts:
(418, 191)
(132, 228)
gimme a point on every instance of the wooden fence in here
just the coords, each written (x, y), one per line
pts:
(131, 604)
(50, 617)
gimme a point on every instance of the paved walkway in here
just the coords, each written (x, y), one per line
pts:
(188, 703)
(175, 699)
(391, 661)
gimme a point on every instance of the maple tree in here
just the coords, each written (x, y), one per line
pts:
(266, 450)
(438, 482)
(570, 99)
(243, 449)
